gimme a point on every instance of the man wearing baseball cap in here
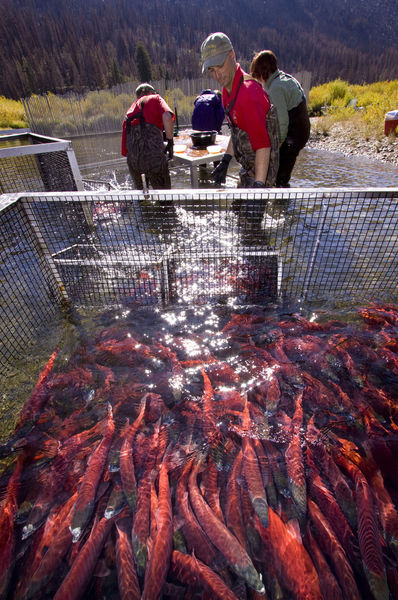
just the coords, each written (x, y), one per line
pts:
(254, 138)
(142, 138)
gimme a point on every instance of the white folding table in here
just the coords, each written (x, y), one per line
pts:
(194, 157)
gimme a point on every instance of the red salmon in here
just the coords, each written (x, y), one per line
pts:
(34, 404)
(79, 576)
(7, 518)
(127, 472)
(159, 561)
(129, 588)
(189, 569)
(195, 538)
(293, 565)
(333, 550)
(222, 538)
(86, 497)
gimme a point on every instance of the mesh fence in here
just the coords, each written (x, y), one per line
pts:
(90, 113)
(324, 247)
(33, 163)
(27, 296)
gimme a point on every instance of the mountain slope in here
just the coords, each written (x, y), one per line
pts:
(56, 46)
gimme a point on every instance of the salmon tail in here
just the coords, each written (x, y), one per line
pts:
(140, 554)
(260, 506)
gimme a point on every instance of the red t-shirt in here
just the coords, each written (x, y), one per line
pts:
(154, 108)
(250, 109)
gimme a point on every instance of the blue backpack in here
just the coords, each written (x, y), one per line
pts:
(208, 113)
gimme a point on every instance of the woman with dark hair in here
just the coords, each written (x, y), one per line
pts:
(287, 95)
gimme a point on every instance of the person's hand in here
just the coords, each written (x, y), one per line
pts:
(220, 172)
(169, 149)
(258, 184)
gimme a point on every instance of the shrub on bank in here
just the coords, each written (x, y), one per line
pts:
(176, 99)
(364, 106)
(337, 101)
(12, 114)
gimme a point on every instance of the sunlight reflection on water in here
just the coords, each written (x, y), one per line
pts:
(314, 168)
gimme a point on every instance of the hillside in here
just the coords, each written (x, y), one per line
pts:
(67, 45)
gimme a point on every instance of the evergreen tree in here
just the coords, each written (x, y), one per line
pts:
(29, 79)
(114, 75)
(69, 45)
(143, 62)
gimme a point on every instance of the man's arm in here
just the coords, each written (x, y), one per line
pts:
(261, 164)
(230, 148)
(168, 125)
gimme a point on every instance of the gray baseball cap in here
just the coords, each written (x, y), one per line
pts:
(214, 50)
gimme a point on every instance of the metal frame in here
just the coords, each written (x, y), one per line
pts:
(45, 145)
(192, 198)
(332, 246)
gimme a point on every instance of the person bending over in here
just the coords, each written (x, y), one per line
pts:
(142, 138)
(208, 112)
(286, 93)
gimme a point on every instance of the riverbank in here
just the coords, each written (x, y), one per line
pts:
(344, 138)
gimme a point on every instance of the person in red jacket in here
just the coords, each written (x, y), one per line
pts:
(142, 138)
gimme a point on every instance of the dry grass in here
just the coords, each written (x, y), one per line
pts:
(12, 114)
(362, 106)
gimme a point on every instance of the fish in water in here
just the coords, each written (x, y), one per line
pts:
(258, 461)
(159, 561)
(129, 586)
(86, 496)
(221, 537)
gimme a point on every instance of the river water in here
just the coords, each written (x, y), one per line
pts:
(99, 158)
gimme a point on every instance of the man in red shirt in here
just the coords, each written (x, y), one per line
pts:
(254, 143)
(142, 138)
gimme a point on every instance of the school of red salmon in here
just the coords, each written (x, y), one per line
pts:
(267, 468)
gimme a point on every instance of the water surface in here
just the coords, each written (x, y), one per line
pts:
(99, 158)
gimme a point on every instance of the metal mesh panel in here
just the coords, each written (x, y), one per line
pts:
(32, 163)
(55, 171)
(27, 298)
(103, 248)
(36, 173)
(344, 246)
(92, 250)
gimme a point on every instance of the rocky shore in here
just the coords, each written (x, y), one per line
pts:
(342, 137)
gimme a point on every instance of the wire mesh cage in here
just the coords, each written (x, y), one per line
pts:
(31, 162)
(28, 298)
(87, 250)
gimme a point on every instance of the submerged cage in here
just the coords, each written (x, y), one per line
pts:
(32, 162)
(91, 250)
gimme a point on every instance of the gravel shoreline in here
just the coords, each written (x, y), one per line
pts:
(344, 139)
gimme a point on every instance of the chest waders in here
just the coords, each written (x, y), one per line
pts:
(146, 150)
(243, 151)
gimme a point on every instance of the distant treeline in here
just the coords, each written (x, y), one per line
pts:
(65, 46)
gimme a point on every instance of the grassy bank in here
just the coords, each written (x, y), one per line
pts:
(12, 114)
(363, 106)
(99, 110)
